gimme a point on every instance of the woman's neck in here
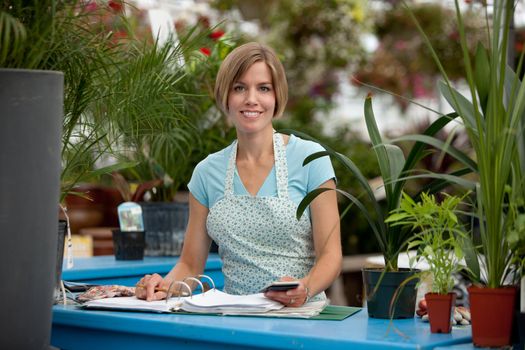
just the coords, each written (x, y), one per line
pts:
(255, 146)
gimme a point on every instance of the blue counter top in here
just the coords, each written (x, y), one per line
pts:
(108, 270)
(75, 328)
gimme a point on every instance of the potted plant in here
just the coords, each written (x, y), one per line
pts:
(437, 233)
(493, 117)
(381, 283)
(182, 127)
(50, 35)
(31, 100)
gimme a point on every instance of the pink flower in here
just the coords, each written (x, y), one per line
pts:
(205, 51)
(91, 6)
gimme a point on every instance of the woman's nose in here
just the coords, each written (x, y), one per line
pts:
(251, 96)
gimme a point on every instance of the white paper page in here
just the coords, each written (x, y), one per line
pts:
(132, 303)
(215, 298)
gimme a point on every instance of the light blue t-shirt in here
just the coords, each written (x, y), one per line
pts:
(207, 181)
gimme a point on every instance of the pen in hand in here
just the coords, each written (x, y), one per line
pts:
(159, 289)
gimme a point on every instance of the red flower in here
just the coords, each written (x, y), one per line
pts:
(205, 51)
(216, 35)
(519, 46)
(115, 5)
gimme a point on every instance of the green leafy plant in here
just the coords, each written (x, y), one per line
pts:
(493, 115)
(171, 121)
(54, 35)
(437, 236)
(145, 105)
(394, 169)
(516, 235)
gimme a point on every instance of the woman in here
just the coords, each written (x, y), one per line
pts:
(245, 197)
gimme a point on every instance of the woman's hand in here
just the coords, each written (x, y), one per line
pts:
(152, 287)
(293, 297)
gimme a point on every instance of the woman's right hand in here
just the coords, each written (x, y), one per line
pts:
(152, 287)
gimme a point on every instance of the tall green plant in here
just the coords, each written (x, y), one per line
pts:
(494, 117)
(394, 169)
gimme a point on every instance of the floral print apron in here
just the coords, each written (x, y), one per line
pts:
(259, 238)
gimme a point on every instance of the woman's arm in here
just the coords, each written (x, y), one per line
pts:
(327, 241)
(327, 245)
(193, 257)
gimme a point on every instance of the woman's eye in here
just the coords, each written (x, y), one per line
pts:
(265, 88)
(238, 88)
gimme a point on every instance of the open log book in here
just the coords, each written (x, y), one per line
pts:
(212, 301)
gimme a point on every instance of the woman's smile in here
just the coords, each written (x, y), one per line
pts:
(251, 114)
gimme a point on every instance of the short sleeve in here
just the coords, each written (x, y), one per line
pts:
(197, 186)
(320, 170)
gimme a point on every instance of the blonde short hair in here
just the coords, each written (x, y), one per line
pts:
(238, 62)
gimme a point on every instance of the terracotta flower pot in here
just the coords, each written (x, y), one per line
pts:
(492, 311)
(440, 311)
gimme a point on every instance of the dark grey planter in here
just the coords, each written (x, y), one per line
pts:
(31, 112)
(129, 245)
(165, 225)
(378, 303)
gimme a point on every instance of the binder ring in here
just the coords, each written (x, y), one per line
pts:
(196, 280)
(209, 279)
(169, 293)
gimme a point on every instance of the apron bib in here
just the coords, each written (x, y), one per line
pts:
(259, 238)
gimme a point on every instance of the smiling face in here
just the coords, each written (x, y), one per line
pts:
(251, 100)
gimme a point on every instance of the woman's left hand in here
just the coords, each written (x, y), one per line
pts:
(293, 297)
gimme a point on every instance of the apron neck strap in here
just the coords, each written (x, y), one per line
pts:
(281, 168)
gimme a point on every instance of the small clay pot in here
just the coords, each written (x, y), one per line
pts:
(440, 311)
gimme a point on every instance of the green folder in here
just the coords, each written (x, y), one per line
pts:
(330, 313)
(336, 313)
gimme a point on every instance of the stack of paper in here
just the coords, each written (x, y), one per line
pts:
(212, 302)
(215, 301)
(132, 303)
(308, 310)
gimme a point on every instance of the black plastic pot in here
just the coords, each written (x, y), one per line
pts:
(378, 302)
(165, 224)
(31, 112)
(128, 245)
